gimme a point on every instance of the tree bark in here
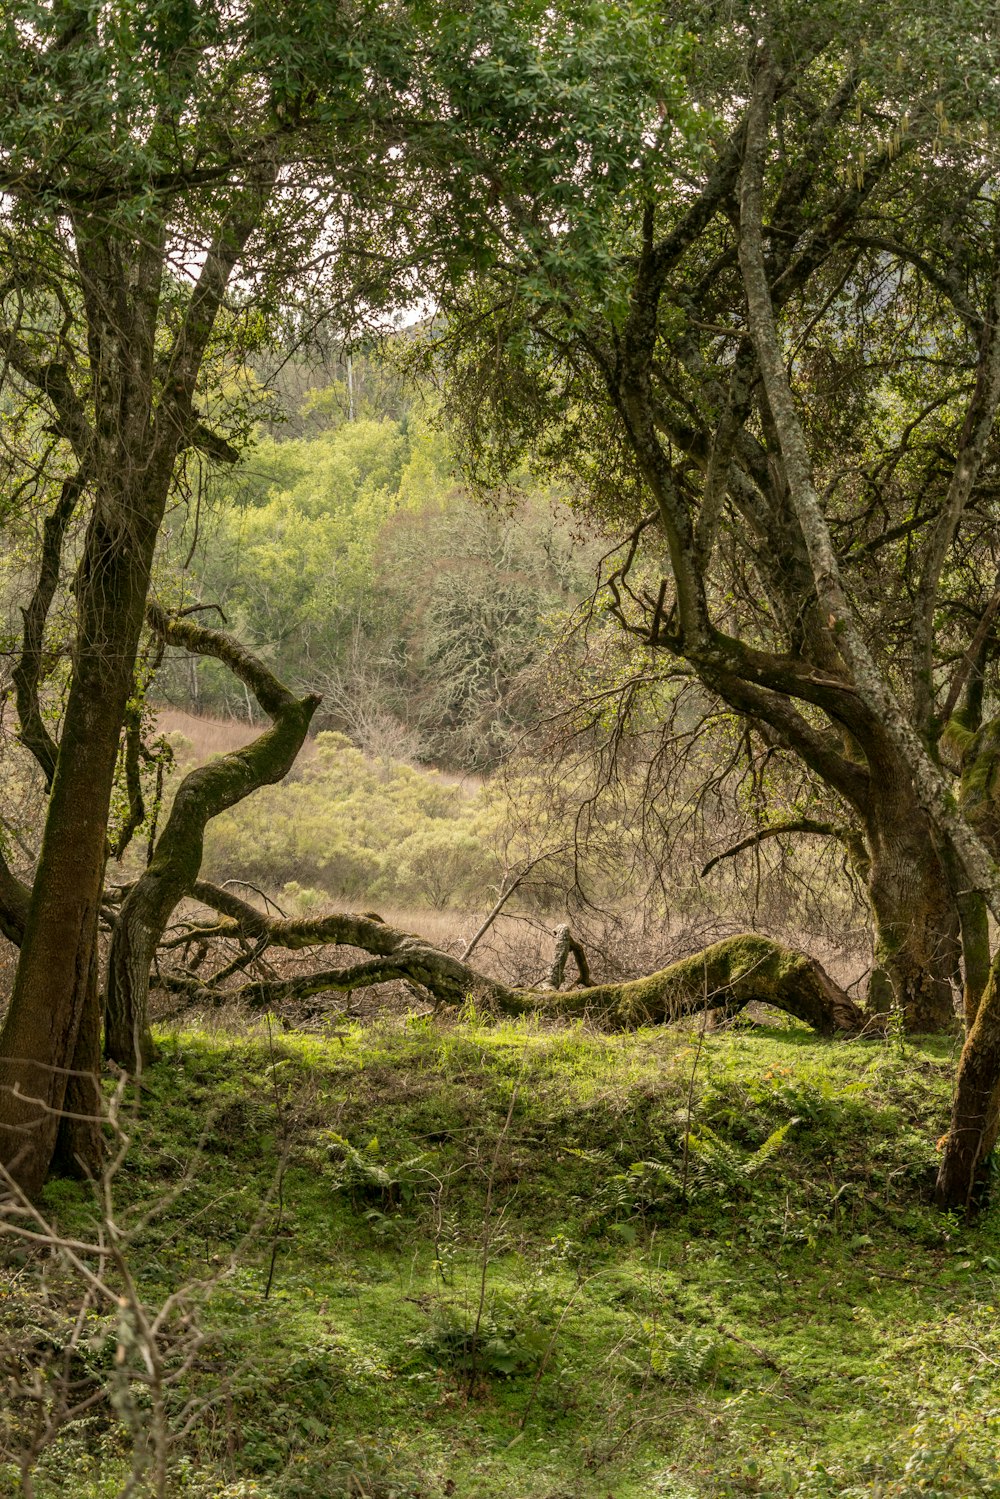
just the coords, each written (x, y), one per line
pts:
(79, 1142)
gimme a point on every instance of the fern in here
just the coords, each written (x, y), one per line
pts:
(393, 1184)
(764, 1153)
(685, 1358)
(720, 1164)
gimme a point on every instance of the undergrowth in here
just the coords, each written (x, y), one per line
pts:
(504, 1260)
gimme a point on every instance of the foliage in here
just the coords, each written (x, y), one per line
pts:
(353, 562)
(357, 829)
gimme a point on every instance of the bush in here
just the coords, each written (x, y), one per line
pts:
(353, 828)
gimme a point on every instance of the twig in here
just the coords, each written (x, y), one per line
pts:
(283, 1131)
(543, 1365)
(690, 1096)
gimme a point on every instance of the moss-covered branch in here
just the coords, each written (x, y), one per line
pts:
(202, 795)
(726, 976)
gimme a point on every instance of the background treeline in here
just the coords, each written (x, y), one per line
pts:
(344, 550)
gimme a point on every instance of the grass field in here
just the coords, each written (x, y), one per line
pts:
(501, 1260)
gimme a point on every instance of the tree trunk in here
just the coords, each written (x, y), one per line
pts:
(917, 929)
(176, 862)
(975, 1116)
(79, 1143)
(975, 953)
(54, 986)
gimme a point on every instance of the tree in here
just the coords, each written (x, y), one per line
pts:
(170, 173)
(790, 365)
(174, 176)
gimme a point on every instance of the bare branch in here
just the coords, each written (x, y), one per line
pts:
(777, 830)
(27, 673)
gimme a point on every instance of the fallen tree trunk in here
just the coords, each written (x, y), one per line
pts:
(725, 977)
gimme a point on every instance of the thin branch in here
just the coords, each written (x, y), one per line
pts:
(776, 830)
(27, 673)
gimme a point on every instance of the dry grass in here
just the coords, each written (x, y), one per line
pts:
(212, 736)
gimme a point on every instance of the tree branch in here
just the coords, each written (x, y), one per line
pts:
(202, 795)
(794, 825)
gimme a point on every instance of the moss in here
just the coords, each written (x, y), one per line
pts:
(980, 767)
(684, 1336)
(728, 975)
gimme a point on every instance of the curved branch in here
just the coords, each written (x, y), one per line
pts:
(273, 696)
(202, 795)
(51, 380)
(850, 779)
(343, 929)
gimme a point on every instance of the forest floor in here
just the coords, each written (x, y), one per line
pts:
(446, 1257)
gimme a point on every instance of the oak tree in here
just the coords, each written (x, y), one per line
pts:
(783, 381)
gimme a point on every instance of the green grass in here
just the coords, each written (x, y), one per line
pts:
(774, 1309)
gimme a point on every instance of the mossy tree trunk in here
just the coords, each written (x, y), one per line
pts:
(176, 861)
(725, 977)
(918, 931)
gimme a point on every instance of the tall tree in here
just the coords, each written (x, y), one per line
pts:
(173, 175)
(791, 358)
(170, 172)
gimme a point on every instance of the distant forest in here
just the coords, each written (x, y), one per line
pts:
(345, 549)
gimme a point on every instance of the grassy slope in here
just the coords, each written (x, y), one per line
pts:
(802, 1324)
